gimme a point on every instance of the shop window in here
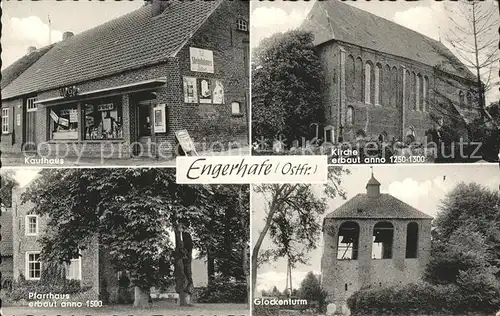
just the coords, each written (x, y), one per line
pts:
(383, 234)
(63, 122)
(103, 119)
(348, 241)
(411, 240)
(5, 120)
(242, 25)
(31, 225)
(74, 268)
(33, 265)
(236, 108)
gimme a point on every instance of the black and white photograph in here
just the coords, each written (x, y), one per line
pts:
(122, 241)
(82, 81)
(379, 240)
(376, 82)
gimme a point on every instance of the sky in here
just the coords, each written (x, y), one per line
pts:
(421, 186)
(26, 23)
(428, 17)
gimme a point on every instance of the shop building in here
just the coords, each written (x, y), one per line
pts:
(124, 88)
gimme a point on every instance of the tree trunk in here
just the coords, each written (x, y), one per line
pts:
(244, 246)
(210, 268)
(180, 276)
(188, 258)
(141, 297)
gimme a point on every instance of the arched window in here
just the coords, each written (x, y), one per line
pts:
(383, 235)
(368, 83)
(350, 72)
(386, 93)
(461, 98)
(419, 92)
(425, 94)
(359, 70)
(350, 116)
(378, 71)
(394, 86)
(412, 240)
(414, 91)
(348, 241)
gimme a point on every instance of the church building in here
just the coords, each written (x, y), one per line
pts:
(374, 239)
(384, 81)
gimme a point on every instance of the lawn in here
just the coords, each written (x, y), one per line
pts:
(157, 309)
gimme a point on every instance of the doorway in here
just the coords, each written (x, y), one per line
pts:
(29, 132)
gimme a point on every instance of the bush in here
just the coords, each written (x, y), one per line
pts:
(426, 299)
(224, 291)
(23, 287)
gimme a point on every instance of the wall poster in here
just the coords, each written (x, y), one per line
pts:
(217, 92)
(204, 90)
(190, 91)
(159, 119)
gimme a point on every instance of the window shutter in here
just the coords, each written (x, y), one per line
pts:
(11, 119)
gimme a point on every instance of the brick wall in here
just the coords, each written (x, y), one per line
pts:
(364, 271)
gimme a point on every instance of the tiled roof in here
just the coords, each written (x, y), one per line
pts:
(384, 206)
(17, 68)
(334, 20)
(130, 41)
(6, 244)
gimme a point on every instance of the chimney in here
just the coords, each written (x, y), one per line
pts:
(30, 50)
(158, 6)
(67, 35)
(373, 187)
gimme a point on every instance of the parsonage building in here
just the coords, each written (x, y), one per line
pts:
(384, 81)
(126, 87)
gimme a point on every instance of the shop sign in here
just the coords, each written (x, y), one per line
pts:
(205, 91)
(159, 119)
(105, 107)
(63, 122)
(186, 142)
(190, 90)
(69, 92)
(73, 116)
(54, 116)
(89, 109)
(217, 92)
(201, 60)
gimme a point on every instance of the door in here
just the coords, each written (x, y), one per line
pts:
(29, 124)
(144, 124)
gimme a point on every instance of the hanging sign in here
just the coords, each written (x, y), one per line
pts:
(54, 116)
(105, 107)
(159, 121)
(201, 60)
(186, 142)
(205, 92)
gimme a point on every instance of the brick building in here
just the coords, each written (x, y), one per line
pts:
(125, 87)
(93, 268)
(373, 239)
(6, 267)
(385, 81)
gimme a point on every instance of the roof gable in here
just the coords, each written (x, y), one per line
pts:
(384, 206)
(334, 20)
(130, 41)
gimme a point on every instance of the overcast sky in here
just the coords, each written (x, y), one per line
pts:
(421, 186)
(428, 17)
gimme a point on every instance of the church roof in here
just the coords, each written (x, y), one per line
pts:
(384, 206)
(333, 20)
(128, 42)
(372, 181)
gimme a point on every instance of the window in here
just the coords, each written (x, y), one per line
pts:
(348, 241)
(383, 234)
(377, 84)
(63, 122)
(418, 86)
(31, 105)
(469, 100)
(33, 265)
(31, 225)
(236, 108)
(414, 90)
(461, 98)
(350, 116)
(350, 76)
(242, 25)
(5, 120)
(103, 119)
(425, 93)
(74, 269)
(368, 82)
(411, 240)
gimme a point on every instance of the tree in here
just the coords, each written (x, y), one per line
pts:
(310, 289)
(8, 181)
(286, 83)
(474, 38)
(129, 212)
(292, 219)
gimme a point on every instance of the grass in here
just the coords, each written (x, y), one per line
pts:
(156, 309)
